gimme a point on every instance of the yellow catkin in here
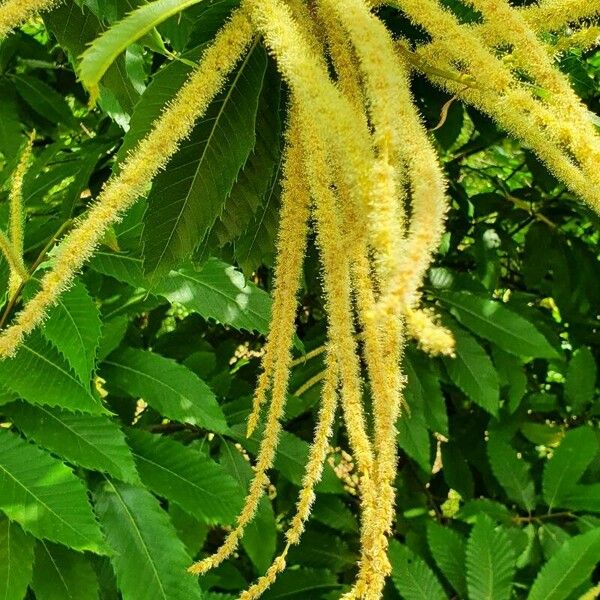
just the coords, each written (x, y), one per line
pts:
(431, 337)
(550, 15)
(312, 475)
(294, 215)
(585, 38)
(140, 167)
(15, 261)
(290, 253)
(17, 210)
(14, 13)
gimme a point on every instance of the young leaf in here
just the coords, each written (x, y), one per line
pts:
(412, 576)
(448, 550)
(497, 323)
(490, 562)
(39, 374)
(44, 497)
(61, 574)
(580, 384)
(189, 194)
(170, 388)
(568, 463)
(568, 568)
(73, 326)
(473, 372)
(187, 477)
(16, 560)
(148, 557)
(511, 472)
(100, 55)
(91, 441)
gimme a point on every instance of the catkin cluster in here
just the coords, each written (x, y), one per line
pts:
(361, 172)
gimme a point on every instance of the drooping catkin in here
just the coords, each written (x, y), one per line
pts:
(14, 260)
(141, 166)
(292, 236)
(14, 13)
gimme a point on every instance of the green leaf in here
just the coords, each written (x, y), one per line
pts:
(511, 472)
(170, 388)
(412, 576)
(188, 196)
(61, 574)
(73, 326)
(44, 100)
(91, 441)
(490, 562)
(333, 512)
(219, 291)
(568, 568)
(187, 477)
(448, 550)
(568, 463)
(44, 497)
(260, 538)
(584, 498)
(321, 550)
(40, 375)
(101, 54)
(473, 372)
(413, 437)
(580, 384)
(299, 584)
(16, 560)
(148, 557)
(497, 323)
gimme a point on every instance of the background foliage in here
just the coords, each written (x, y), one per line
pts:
(122, 446)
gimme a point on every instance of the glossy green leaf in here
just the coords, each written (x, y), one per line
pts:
(188, 196)
(448, 550)
(100, 55)
(91, 441)
(44, 496)
(62, 574)
(39, 374)
(568, 568)
(170, 388)
(411, 575)
(148, 558)
(568, 463)
(186, 476)
(495, 322)
(490, 562)
(473, 372)
(16, 560)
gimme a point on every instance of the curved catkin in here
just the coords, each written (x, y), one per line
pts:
(14, 13)
(139, 169)
(14, 260)
(295, 207)
(550, 15)
(291, 245)
(585, 39)
(312, 475)
(431, 337)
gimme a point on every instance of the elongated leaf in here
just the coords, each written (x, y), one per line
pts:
(44, 100)
(495, 322)
(448, 550)
(568, 463)
(189, 194)
(148, 557)
(583, 498)
(73, 326)
(333, 512)
(44, 497)
(61, 574)
(473, 372)
(413, 437)
(219, 291)
(185, 476)
(580, 384)
(16, 560)
(170, 388)
(93, 442)
(299, 584)
(412, 576)
(322, 550)
(100, 55)
(512, 472)
(568, 568)
(39, 374)
(490, 562)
